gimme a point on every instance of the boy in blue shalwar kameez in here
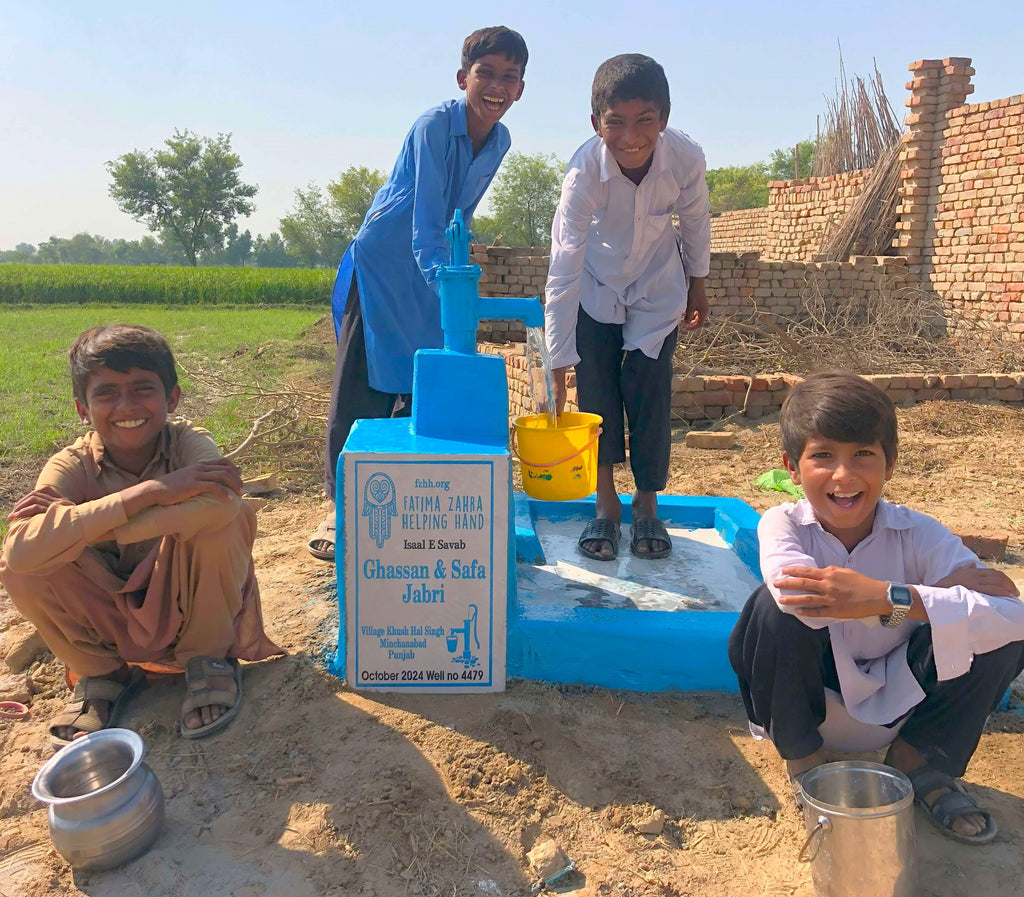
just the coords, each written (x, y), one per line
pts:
(385, 301)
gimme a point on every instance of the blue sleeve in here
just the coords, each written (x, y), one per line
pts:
(430, 196)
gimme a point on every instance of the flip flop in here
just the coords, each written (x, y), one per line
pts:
(599, 529)
(199, 693)
(78, 715)
(949, 807)
(321, 543)
(649, 529)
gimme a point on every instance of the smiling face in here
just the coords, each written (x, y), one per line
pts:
(630, 129)
(492, 84)
(843, 482)
(128, 411)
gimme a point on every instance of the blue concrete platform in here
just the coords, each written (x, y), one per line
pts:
(633, 624)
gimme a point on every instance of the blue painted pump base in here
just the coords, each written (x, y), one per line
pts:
(627, 648)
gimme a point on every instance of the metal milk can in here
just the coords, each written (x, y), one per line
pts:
(860, 825)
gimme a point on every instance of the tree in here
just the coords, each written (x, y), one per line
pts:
(524, 197)
(485, 229)
(235, 250)
(310, 231)
(269, 252)
(190, 189)
(351, 197)
(782, 165)
(738, 187)
(318, 227)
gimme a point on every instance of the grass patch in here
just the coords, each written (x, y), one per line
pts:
(37, 412)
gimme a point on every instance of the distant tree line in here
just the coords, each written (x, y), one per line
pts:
(237, 249)
(189, 193)
(746, 186)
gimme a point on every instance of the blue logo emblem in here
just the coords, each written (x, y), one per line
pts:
(380, 505)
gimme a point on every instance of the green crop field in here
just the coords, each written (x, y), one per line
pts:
(117, 284)
(37, 413)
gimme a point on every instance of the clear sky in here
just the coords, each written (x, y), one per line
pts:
(308, 88)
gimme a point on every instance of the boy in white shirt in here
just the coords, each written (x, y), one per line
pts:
(617, 287)
(874, 601)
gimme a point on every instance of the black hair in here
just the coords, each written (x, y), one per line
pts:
(631, 76)
(496, 39)
(120, 347)
(841, 406)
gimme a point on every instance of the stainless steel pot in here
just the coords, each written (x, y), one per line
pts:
(860, 824)
(105, 805)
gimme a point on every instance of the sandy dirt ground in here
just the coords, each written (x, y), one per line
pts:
(315, 790)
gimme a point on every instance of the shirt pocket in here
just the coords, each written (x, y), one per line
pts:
(655, 227)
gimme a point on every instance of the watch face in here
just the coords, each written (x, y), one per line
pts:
(899, 596)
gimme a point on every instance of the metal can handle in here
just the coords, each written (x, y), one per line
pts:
(824, 826)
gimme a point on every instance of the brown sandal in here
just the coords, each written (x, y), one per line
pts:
(198, 672)
(79, 712)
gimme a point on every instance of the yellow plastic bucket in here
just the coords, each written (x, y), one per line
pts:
(559, 464)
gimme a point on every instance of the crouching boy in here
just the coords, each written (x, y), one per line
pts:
(135, 545)
(876, 603)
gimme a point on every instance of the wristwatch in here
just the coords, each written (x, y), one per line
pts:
(900, 600)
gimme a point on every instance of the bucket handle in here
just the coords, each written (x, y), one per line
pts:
(824, 826)
(515, 451)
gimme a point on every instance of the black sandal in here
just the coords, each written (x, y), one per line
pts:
(600, 529)
(649, 529)
(948, 807)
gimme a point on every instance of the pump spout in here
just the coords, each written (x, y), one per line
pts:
(529, 311)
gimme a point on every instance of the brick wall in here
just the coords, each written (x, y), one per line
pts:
(714, 397)
(740, 282)
(516, 272)
(978, 251)
(744, 230)
(737, 283)
(801, 213)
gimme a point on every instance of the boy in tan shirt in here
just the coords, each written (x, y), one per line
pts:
(135, 545)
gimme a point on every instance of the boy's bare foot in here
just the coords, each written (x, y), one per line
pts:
(907, 759)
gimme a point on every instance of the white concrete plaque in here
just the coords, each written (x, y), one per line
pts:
(426, 571)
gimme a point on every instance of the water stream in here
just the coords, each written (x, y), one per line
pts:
(538, 369)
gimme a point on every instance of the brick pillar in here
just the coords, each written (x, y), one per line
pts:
(938, 86)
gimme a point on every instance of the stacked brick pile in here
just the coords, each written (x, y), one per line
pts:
(744, 230)
(801, 213)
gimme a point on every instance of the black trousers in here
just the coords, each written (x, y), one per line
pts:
(784, 666)
(352, 397)
(608, 381)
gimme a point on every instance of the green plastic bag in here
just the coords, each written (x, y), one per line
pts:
(779, 481)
